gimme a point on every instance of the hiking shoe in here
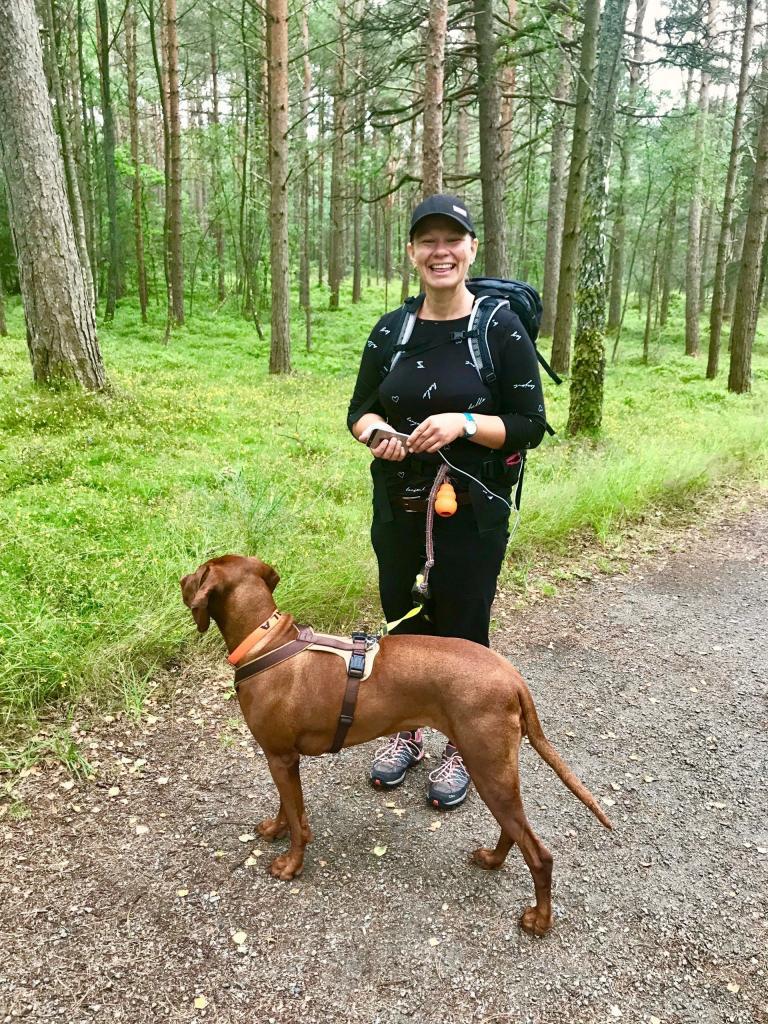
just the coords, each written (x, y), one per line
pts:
(449, 783)
(401, 752)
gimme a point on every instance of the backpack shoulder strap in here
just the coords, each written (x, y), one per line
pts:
(402, 329)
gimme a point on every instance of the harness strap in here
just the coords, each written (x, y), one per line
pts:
(356, 669)
(303, 640)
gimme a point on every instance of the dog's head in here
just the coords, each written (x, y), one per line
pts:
(216, 577)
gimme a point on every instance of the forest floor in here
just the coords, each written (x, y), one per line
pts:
(121, 898)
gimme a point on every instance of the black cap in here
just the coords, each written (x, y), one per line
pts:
(443, 206)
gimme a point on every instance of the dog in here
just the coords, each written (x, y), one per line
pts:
(464, 690)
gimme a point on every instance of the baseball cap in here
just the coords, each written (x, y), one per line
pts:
(443, 206)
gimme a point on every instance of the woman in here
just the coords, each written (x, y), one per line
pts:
(435, 394)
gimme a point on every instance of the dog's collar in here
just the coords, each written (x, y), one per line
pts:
(255, 640)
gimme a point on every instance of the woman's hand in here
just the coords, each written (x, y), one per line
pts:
(390, 451)
(436, 431)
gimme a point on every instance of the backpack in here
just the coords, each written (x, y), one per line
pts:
(492, 293)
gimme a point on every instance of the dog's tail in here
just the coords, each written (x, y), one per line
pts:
(547, 753)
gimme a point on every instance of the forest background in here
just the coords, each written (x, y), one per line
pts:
(204, 213)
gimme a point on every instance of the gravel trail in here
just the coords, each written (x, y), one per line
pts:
(142, 896)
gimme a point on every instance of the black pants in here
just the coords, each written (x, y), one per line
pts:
(462, 580)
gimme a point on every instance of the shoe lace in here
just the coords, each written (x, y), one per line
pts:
(450, 770)
(394, 749)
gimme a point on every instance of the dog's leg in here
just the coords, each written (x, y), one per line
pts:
(285, 773)
(274, 828)
(496, 777)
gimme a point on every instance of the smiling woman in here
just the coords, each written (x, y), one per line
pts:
(433, 392)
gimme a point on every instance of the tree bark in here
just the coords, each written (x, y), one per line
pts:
(305, 298)
(320, 234)
(359, 147)
(277, 54)
(746, 309)
(336, 256)
(577, 174)
(492, 181)
(175, 228)
(219, 200)
(507, 82)
(432, 134)
(108, 135)
(619, 220)
(693, 255)
(405, 267)
(717, 310)
(555, 202)
(133, 119)
(586, 400)
(70, 170)
(61, 328)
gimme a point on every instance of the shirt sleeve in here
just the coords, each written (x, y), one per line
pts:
(521, 396)
(368, 377)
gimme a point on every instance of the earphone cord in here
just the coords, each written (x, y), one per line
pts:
(487, 491)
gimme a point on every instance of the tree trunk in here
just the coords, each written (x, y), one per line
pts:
(555, 203)
(305, 299)
(507, 80)
(175, 229)
(3, 324)
(693, 255)
(61, 328)
(338, 172)
(359, 147)
(277, 54)
(586, 400)
(405, 268)
(219, 199)
(432, 134)
(108, 135)
(492, 181)
(320, 234)
(619, 220)
(70, 171)
(133, 118)
(577, 174)
(717, 310)
(746, 310)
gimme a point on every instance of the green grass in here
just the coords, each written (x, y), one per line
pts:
(108, 500)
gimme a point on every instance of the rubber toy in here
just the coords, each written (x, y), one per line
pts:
(445, 500)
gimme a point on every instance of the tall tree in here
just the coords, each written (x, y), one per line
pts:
(218, 228)
(495, 258)
(717, 309)
(619, 219)
(305, 298)
(577, 175)
(277, 55)
(557, 179)
(432, 135)
(586, 398)
(336, 256)
(61, 329)
(110, 174)
(693, 253)
(745, 312)
(68, 158)
(175, 226)
(133, 121)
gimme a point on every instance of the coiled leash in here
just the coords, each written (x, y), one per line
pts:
(442, 499)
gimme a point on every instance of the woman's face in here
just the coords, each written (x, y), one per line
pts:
(442, 252)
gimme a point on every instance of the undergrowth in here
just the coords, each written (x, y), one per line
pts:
(196, 450)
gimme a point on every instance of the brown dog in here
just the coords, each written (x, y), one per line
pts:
(466, 691)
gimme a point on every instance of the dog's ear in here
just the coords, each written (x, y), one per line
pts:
(195, 591)
(271, 578)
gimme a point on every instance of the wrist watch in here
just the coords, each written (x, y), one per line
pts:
(470, 427)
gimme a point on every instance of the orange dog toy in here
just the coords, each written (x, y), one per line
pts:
(445, 500)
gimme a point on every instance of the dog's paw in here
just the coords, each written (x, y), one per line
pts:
(535, 922)
(287, 866)
(487, 859)
(272, 828)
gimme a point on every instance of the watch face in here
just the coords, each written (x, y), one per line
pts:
(470, 428)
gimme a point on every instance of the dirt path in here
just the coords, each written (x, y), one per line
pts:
(119, 898)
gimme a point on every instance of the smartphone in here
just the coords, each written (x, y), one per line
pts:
(379, 435)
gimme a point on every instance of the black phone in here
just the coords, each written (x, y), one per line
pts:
(378, 435)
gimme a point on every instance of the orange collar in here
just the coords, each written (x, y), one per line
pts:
(255, 640)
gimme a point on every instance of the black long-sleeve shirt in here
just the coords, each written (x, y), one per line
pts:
(435, 374)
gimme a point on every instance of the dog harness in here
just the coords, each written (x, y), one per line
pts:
(358, 654)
